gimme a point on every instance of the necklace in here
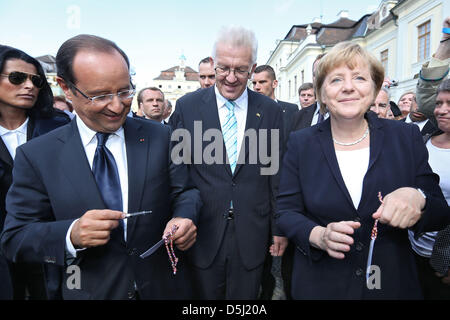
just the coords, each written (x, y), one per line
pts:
(354, 142)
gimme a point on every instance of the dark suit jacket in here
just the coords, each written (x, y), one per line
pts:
(313, 192)
(427, 129)
(36, 126)
(54, 185)
(302, 119)
(252, 194)
(289, 110)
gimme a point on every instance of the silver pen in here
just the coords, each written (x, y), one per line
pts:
(134, 214)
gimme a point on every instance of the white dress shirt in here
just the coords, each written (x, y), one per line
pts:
(353, 166)
(240, 112)
(115, 144)
(14, 138)
(420, 124)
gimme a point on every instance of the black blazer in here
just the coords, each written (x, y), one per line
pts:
(36, 126)
(427, 129)
(313, 192)
(54, 185)
(303, 118)
(289, 109)
(252, 193)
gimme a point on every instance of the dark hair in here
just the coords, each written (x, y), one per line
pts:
(206, 60)
(444, 86)
(44, 103)
(268, 69)
(305, 86)
(69, 49)
(139, 97)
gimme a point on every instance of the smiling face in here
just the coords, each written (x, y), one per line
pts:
(406, 103)
(99, 73)
(227, 56)
(347, 92)
(22, 95)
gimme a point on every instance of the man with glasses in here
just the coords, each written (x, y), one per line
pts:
(72, 188)
(234, 228)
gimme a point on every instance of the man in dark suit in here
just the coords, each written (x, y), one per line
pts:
(418, 118)
(234, 224)
(264, 81)
(63, 213)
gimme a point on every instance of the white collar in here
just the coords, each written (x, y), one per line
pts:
(21, 129)
(239, 102)
(87, 134)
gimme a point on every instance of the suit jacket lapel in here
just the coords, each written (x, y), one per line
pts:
(326, 143)
(77, 170)
(376, 146)
(253, 121)
(5, 156)
(138, 151)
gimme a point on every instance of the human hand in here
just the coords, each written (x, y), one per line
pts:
(334, 239)
(278, 246)
(186, 234)
(94, 228)
(401, 208)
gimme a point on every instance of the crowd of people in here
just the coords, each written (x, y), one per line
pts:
(348, 195)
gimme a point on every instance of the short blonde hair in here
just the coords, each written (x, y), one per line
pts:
(347, 53)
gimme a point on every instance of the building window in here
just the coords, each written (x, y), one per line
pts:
(289, 88)
(303, 76)
(295, 85)
(160, 86)
(423, 41)
(384, 60)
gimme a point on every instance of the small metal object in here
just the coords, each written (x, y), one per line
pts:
(134, 214)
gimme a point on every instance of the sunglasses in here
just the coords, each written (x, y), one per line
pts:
(17, 77)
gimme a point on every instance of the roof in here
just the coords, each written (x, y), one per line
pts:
(332, 33)
(169, 74)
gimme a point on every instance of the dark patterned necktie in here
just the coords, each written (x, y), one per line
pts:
(107, 175)
(320, 117)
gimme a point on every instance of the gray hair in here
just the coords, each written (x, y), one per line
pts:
(387, 92)
(237, 37)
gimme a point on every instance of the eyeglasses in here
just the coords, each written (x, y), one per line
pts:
(238, 72)
(104, 99)
(17, 77)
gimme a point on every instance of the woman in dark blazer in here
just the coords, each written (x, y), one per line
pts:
(331, 179)
(25, 95)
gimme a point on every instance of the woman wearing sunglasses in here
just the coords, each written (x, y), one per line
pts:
(26, 111)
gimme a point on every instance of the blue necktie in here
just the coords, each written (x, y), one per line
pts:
(230, 135)
(320, 118)
(107, 175)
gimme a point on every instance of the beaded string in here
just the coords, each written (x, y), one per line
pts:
(168, 241)
(373, 237)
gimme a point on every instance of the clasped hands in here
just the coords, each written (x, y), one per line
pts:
(401, 208)
(94, 229)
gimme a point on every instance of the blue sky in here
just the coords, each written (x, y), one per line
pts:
(154, 34)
